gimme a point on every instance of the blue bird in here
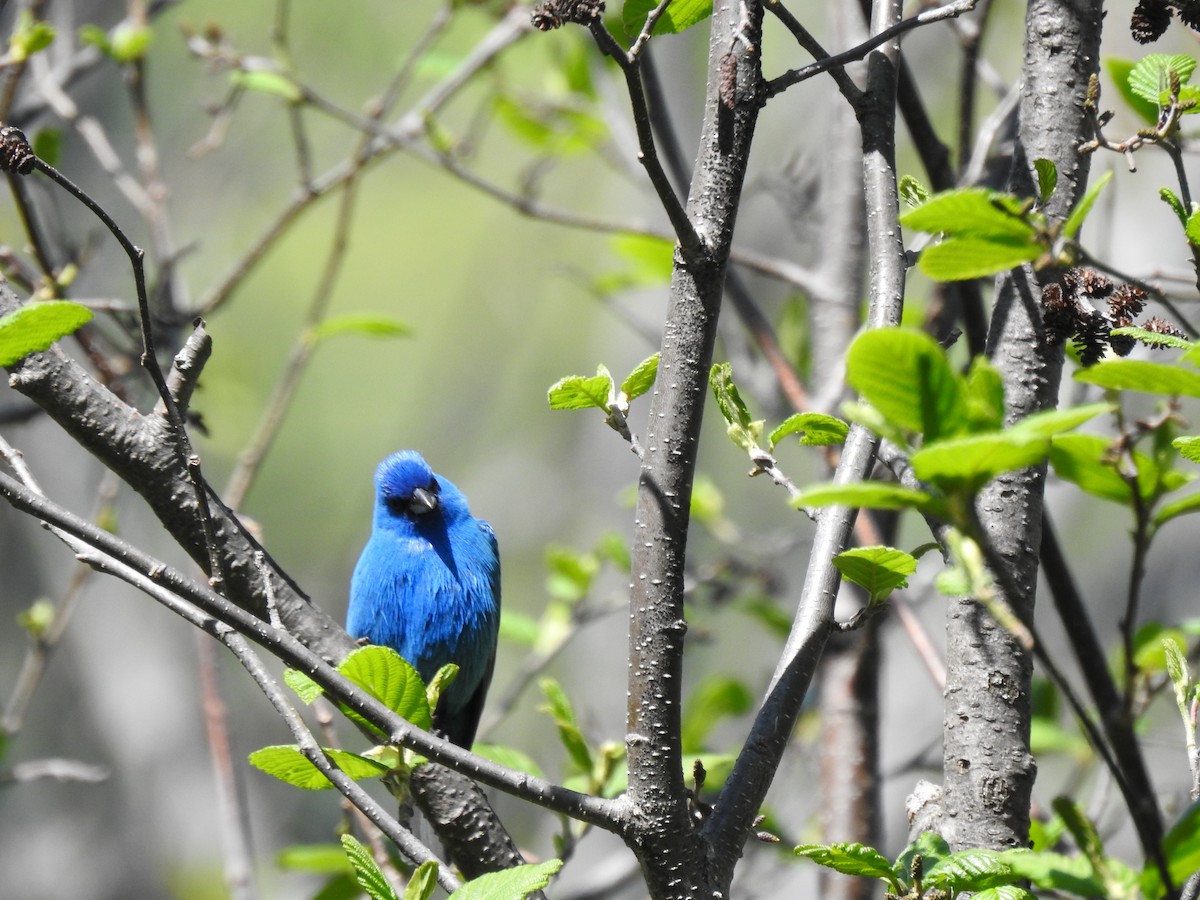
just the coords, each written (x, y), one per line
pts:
(428, 586)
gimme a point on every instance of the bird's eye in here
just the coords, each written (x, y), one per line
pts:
(433, 487)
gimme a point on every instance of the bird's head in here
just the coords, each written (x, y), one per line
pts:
(406, 486)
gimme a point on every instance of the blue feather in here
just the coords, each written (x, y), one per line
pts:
(428, 586)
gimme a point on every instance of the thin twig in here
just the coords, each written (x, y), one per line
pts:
(795, 76)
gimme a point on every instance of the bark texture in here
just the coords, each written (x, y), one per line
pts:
(989, 771)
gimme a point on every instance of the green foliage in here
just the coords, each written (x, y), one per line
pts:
(985, 232)
(815, 430)
(582, 392)
(1047, 178)
(563, 713)
(1075, 221)
(554, 129)
(905, 375)
(648, 262)
(1151, 77)
(382, 673)
(362, 324)
(29, 36)
(912, 192)
(37, 619)
(680, 14)
(47, 145)
(600, 390)
(741, 430)
(715, 698)
(368, 874)
(1119, 70)
(126, 43)
(1142, 376)
(289, 765)
(1152, 338)
(265, 81)
(510, 884)
(878, 570)
(1172, 200)
(422, 882)
(35, 326)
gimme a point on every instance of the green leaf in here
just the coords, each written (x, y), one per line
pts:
(581, 392)
(303, 686)
(1172, 200)
(1084, 206)
(509, 884)
(518, 627)
(1149, 646)
(571, 572)
(1047, 178)
(129, 42)
(815, 429)
(641, 379)
(423, 882)
(1056, 872)
(984, 396)
(1153, 338)
(35, 326)
(912, 192)
(1051, 422)
(1078, 458)
(968, 870)
(563, 714)
(555, 129)
(1140, 375)
(267, 82)
(321, 859)
(878, 570)
(852, 859)
(95, 36)
(1004, 892)
(905, 375)
(1189, 97)
(871, 495)
(368, 874)
(1181, 846)
(720, 377)
(288, 764)
(1176, 508)
(363, 324)
(381, 672)
(1150, 78)
(29, 36)
(1188, 446)
(972, 212)
(1048, 736)
(1083, 832)
(680, 14)
(967, 463)
(1191, 228)
(961, 259)
(931, 847)
(1118, 70)
(715, 698)
(37, 618)
(47, 145)
(650, 257)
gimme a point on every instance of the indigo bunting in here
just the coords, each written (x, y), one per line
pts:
(428, 586)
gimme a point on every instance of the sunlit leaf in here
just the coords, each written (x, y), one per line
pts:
(35, 326)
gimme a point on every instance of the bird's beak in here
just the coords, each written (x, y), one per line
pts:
(423, 502)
